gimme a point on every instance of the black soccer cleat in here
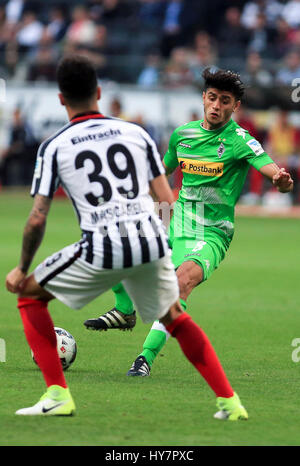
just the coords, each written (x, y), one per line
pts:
(140, 368)
(112, 319)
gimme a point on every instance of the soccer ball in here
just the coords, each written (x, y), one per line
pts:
(66, 347)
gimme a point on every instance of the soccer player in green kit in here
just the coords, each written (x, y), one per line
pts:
(214, 155)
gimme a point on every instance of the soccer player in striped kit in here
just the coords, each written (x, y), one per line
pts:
(107, 167)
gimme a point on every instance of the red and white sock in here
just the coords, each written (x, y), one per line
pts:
(200, 352)
(41, 337)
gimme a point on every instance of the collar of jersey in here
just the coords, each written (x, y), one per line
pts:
(216, 130)
(86, 116)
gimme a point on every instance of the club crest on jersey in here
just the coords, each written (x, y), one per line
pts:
(204, 168)
(221, 150)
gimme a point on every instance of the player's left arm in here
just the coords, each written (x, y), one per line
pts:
(249, 149)
(170, 160)
(280, 178)
(32, 237)
(169, 170)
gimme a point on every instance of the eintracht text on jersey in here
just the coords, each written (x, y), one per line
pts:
(105, 166)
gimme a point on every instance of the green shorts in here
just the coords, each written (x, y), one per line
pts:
(207, 249)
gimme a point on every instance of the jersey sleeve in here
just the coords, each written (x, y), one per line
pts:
(170, 158)
(155, 166)
(251, 151)
(45, 178)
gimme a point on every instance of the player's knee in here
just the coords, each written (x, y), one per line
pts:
(31, 289)
(174, 312)
(189, 275)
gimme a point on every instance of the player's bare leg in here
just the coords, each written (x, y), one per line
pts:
(189, 275)
(31, 289)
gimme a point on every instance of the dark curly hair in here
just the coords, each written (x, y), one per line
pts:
(76, 78)
(224, 81)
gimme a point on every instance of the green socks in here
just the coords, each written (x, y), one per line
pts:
(158, 334)
(123, 303)
(156, 339)
(183, 304)
(153, 344)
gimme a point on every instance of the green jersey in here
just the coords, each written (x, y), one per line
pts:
(214, 165)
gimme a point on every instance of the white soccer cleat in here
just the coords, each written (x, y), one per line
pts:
(57, 401)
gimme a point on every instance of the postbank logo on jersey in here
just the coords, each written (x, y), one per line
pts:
(197, 167)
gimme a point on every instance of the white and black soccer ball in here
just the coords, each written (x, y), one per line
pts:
(66, 347)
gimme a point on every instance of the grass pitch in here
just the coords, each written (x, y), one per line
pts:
(249, 308)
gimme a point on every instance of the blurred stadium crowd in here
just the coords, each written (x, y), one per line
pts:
(165, 43)
(153, 42)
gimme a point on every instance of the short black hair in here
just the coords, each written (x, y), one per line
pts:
(77, 78)
(224, 81)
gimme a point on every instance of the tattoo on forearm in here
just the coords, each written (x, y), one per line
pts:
(34, 231)
(31, 240)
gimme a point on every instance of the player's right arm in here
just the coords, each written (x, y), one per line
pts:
(32, 237)
(169, 170)
(170, 161)
(34, 230)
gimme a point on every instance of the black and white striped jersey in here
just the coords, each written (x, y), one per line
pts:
(105, 165)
